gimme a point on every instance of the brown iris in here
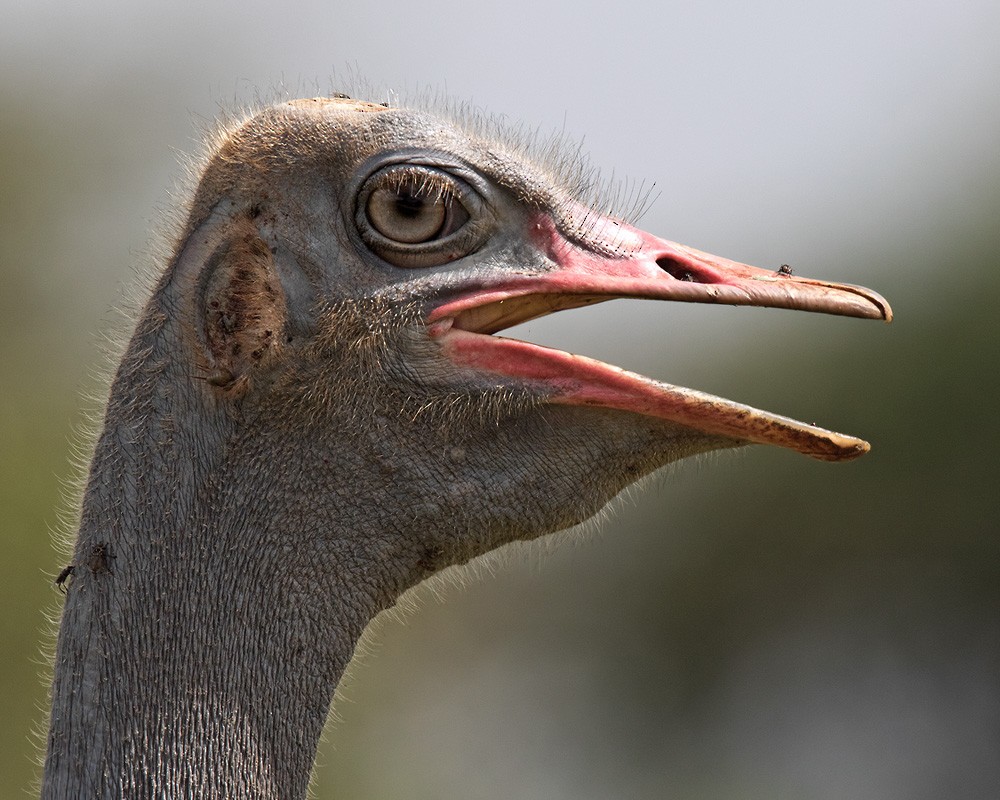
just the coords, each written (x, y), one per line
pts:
(414, 208)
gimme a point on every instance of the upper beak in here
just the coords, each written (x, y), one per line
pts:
(618, 262)
(654, 269)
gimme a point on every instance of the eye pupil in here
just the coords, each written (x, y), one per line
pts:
(409, 205)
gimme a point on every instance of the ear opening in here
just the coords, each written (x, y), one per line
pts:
(240, 308)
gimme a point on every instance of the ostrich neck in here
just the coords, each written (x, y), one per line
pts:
(209, 618)
(231, 551)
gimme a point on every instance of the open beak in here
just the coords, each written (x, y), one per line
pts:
(620, 261)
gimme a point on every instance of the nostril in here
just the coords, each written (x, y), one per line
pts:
(675, 270)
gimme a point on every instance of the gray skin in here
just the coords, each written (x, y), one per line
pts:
(286, 450)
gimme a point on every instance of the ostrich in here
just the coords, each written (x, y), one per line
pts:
(313, 415)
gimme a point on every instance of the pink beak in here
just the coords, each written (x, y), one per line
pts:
(620, 261)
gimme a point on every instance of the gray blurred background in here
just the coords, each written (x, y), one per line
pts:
(752, 625)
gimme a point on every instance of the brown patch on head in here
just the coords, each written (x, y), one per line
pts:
(243, 308)
(254, 157)
(341, 103)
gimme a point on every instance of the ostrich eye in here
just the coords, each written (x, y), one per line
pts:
(413, 216)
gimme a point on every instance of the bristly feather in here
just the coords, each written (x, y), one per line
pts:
(351, 372)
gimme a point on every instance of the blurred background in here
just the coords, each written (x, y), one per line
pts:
(751, 625)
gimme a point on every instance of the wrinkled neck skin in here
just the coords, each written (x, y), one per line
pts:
(232, 551)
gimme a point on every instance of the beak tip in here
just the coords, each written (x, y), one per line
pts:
(883, 306)
(846, 452)
(880, 308)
